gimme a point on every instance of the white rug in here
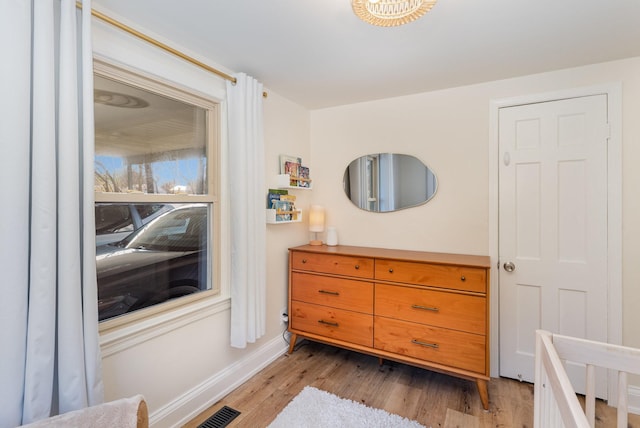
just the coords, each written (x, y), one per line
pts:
(313, 408)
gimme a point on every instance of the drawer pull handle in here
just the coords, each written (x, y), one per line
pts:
(304, 261)
(462, 278)
(425, 344)
(333, 293)
(331, 324)
(425, 308)
(357, 267)
(390, 270)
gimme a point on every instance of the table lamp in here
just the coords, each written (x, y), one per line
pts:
(316, 223)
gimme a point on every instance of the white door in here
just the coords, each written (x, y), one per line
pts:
(553, 228)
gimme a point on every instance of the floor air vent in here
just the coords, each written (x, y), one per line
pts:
(221, 418)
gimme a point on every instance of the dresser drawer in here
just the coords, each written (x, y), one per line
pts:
(447, 347)
(359, 267)
(337, 324)
(451, 310)
(435, 275)
(335, 292)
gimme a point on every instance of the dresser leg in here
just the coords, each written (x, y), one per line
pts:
(484, 393)
(292, 342)
(380, 361)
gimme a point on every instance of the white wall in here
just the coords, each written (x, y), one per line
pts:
(286, 132)
(185, 364)
(449, 131)
(444, 130)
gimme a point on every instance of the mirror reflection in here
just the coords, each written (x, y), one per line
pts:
(387, 182)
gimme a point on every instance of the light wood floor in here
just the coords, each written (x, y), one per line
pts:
(433, 399)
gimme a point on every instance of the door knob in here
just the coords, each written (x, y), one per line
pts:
(509, 267)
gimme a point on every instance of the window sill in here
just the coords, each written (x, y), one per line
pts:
(116, 337)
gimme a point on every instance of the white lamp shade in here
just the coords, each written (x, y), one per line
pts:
(316, 218)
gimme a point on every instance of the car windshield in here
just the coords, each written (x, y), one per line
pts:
(183, 229)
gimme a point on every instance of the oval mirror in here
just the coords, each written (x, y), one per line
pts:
(387, 182)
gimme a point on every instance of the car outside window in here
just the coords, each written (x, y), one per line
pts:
(114, 221)
(163, 260)
(155, 190)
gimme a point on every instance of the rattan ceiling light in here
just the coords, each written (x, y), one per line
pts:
(391, 13)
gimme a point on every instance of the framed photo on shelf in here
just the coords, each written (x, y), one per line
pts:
(286, 158)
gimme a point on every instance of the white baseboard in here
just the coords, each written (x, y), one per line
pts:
(193, 402)
(634, 399)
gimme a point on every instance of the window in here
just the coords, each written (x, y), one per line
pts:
(156, 187)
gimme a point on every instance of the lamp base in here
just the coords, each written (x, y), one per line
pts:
(315, 242)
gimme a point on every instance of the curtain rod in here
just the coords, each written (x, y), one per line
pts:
(159, 44)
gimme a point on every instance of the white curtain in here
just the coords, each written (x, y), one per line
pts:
(248, 225)
(50, 361)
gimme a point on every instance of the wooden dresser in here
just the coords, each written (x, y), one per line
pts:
(429, 310)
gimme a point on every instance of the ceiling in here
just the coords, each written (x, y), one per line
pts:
(318, 54)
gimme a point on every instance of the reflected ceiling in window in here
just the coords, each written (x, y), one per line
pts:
(147, 143)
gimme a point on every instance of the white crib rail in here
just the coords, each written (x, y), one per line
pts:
(555, 402)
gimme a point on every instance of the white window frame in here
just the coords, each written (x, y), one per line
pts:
(166, 311)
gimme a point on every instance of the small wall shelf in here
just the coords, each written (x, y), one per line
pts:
(272, 218)
(283, 181)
